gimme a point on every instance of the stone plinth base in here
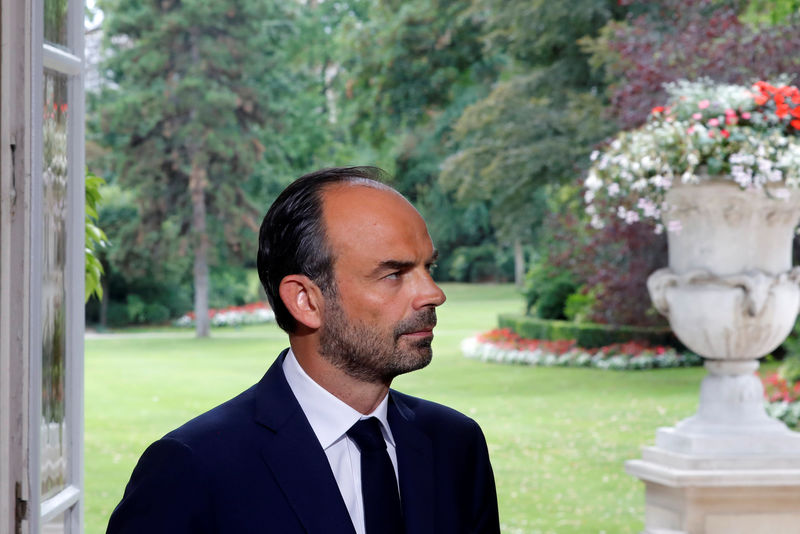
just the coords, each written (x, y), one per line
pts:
(693, 495)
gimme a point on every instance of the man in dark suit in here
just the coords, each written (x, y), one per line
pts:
(321, 444)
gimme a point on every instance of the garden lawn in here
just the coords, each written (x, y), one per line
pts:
(558, 437)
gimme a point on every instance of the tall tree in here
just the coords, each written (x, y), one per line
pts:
(193, 84)
(543, 116)
(407, 70)
(406, 61)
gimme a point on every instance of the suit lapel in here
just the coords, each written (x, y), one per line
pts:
(296, 459)
(415, 468)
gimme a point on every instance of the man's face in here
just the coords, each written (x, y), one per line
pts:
(379, 323)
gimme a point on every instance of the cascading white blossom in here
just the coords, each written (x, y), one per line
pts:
(708, 131)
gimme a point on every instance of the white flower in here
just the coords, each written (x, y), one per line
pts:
(781, 193)
(741, 176)
(593, 183)
(631, 217)
(648, 208)
(674, 226)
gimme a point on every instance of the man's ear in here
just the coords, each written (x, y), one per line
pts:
(303, 298)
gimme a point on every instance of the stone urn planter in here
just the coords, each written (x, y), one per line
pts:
(732, 296)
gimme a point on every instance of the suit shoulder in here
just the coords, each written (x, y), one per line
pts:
(228, 417)
(433, 415)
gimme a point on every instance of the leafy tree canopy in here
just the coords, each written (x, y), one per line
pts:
(541, 119)
(193, 81)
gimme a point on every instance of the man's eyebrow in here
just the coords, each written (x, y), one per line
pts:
(394, 265)
(402, 265)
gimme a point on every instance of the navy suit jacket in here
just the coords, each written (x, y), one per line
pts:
(254, 465)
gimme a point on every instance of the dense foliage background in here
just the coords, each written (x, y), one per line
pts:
(484, 112)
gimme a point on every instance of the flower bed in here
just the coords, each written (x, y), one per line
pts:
(783, 399)
(504, 346)
(255, 313)
(749, 135)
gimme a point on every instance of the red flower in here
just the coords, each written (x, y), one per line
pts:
(760, 98)
(725, 133)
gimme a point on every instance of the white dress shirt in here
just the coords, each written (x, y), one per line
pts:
(330, 419)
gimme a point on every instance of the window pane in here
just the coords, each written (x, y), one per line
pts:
(55, 22)
(54, 214)
(57, 525)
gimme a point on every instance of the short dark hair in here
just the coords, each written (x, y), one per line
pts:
(292, 238)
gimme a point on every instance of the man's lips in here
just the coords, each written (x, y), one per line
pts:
(424, 332)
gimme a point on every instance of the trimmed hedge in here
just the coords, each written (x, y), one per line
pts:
(587, 335)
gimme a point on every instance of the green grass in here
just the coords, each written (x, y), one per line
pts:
(558, 437)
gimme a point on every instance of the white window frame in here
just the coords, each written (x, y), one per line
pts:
(25, 56)
(70, 499)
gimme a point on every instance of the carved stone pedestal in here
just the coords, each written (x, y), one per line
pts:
(693, 494)
(703, 503)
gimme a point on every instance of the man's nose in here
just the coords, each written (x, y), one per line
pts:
(430, 294)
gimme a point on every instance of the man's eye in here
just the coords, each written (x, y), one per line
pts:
(392, 276)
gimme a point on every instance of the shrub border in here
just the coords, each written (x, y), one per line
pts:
(588, 335)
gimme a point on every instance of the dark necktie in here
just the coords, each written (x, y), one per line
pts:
(382, 511)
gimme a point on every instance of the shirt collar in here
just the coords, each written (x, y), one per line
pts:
(330, 418)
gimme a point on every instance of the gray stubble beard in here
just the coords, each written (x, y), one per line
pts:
(362, 353)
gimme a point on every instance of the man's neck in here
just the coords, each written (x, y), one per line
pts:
(361, 396)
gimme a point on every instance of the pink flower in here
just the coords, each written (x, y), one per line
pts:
(703, 104)
(713, 122)
(746, 115)
(697, 116)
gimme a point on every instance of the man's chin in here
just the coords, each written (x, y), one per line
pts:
(412, 360)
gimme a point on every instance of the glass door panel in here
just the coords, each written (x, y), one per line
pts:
(55, 22)
(53, 435)
(57, 525)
